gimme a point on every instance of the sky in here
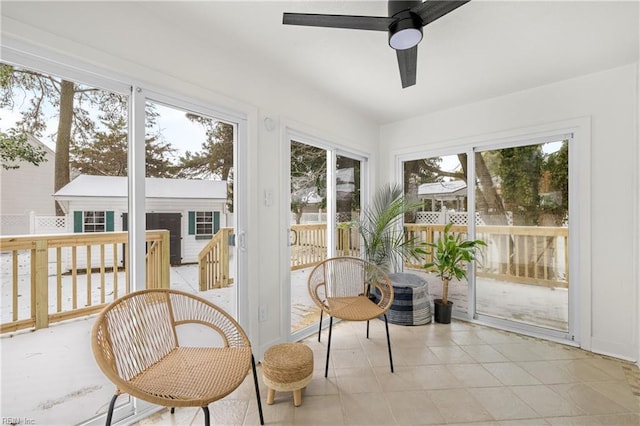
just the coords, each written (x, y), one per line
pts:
(177, 129)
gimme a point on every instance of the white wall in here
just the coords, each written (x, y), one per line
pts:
(609, 102)
(142, 51)
(39, 196)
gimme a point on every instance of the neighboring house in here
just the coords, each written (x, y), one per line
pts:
(29, 188)
(192, 210)
(439, 192)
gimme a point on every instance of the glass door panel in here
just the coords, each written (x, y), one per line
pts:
(439, 183)
(347, 196)
(67, 144)
(189, 189)
(521, 201)
(308, 227)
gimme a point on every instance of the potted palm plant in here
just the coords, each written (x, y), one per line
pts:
(380, 227)
(448, 257)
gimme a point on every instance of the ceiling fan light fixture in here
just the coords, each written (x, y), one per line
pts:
(405, 33)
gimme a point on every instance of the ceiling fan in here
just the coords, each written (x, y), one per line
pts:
(404, 24)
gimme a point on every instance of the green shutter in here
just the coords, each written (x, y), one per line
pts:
(109, 219)
(216, 222)
(77, 221)
(192, 223)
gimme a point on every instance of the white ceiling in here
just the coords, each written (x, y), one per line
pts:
(481, 50)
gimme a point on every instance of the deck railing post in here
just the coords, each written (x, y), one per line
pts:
(165, 263)
(41, 277)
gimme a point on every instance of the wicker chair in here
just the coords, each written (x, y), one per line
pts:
(352, 289)
(135, 344)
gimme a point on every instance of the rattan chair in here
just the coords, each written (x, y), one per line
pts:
(135, 344)
(352, 289)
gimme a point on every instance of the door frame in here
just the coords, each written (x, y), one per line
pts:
(579, 225)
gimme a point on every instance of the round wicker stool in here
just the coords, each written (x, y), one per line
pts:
(287, 367)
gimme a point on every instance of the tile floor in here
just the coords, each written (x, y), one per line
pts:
(459, 373)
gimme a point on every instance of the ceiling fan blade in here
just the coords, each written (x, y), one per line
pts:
(408, 62)
(431, 10)
(373, 23)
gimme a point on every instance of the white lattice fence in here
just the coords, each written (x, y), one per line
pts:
(50, 224)
(431, 218)
(457, 218)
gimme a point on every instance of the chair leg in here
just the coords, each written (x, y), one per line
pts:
(173, 410)
(207, 421)
(386, 326)
(255, 382)
(326, 368)
(367, 329)
(320, 325)
(112, 404)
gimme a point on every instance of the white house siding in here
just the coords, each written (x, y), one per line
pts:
(190, 247)
(28, 188)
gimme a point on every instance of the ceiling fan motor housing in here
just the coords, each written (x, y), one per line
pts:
(406, 31)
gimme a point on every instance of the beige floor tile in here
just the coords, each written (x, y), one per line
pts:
(546, 402)
(493, 336)
(436, 377)
(620, 419)
(613, 368)
(228, 412)
(473, 375)
(574, 421)
(413, 408)
(419, 356)
(357, 380)
(584, 371)
(470, 337)
(349, 358)
(181, 416)
(366, 409)
(402, 379)
(503, 404)
(320, 385)
(620, 392)
(549, 372)
(484, 353)
(319, 410)
(522, 422)
(451, 355)
(520, 351)
(510, 374)
(451, 401)
(588, 399)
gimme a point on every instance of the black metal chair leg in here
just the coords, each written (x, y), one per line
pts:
(386, 326)
(320, 325)
(326, 368)
(173, 410)
(367, 329)
(255, 382)
(207, 421)
(112, 404)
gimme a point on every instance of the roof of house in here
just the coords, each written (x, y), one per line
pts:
(443, 190)
(116, 186)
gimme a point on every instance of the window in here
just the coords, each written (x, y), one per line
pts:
(204, 224)
(93, 221)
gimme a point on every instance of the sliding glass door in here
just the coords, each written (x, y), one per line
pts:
(326, 186)
(521, 202)
(519, 205)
